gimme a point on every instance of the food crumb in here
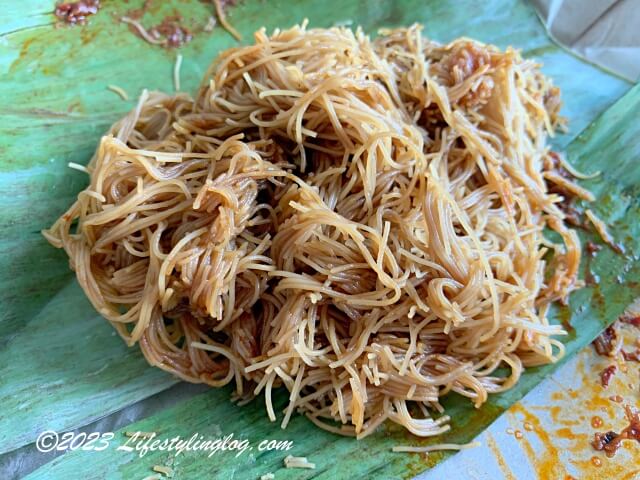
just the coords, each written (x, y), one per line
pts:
(211, 23)
(76, 13)
(593, 248)
(606, 342)
(175, 35)
(298, 462)
(606, 375)
(611, 441)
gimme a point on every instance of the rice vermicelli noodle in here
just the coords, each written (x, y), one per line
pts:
(360, 221)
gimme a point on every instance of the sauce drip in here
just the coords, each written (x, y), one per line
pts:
(596, 422)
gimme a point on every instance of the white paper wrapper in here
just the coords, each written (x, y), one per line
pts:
(604, 32)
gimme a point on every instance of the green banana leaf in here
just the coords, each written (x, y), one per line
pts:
(61, 367)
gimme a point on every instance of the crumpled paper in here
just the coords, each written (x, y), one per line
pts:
(604, 32)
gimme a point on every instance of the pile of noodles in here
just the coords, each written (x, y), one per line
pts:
(358, 220)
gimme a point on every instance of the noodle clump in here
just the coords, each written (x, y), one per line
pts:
(358, 220)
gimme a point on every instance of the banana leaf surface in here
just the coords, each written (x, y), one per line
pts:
(61, 365)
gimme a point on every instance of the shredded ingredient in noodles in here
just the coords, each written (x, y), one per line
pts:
(360, 221)
(118, 91)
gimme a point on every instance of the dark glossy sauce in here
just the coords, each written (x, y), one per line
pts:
(610, 441)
